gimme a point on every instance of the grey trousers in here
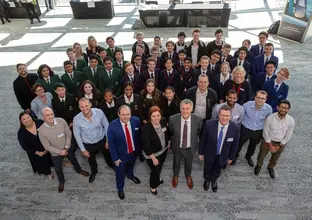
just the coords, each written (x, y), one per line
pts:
(188, 159)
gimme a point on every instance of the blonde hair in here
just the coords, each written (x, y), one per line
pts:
(89, 39)
(238, 69)
(286, 71)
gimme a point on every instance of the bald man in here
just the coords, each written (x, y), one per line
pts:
(55, 137)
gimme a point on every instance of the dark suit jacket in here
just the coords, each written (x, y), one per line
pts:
(144, 58)
(169, 110)
(201, 49)
(218, 86)
(146, 48)
(150, 141)
(177, 65)
(88, 75)
(136, 82)
(81, 64)
(209, 139)
(249, 56)
(145, 76)
(113, 82)
(110, 113)
(258, 83)
(258, 64)
(175, 56)
(142, 68)
(135, 106)
(49, 87)
(165, 80)
(116, 65)
(175, 132)
(117, 140)
(22, 87)
(187, 80)
(160, 63)
(211, 100)
(212, 73)
(109, 52)
(273, 96)
(72, 85)
(247, 66)
(227, 59)
(68, 110)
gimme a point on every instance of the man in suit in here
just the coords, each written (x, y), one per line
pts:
(22, 86)
(110, 51)
(71, 78)
(184, 129)
(262, 77)
(203, 98)
(91, 72)
(217, 146)
(258, 49)
(226, 56)
(123, 141)
(110, 78)
(196, 48)
(261, 60)
(241, 61)
(277, 89)
(78, 64)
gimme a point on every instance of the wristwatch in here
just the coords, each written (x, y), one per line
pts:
(66, 148)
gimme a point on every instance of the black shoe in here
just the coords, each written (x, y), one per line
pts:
(8, 20)
(92, 177)
(50, 7)
(206, 185)
(214, 187)
(224, 167)
(39, 20)
(61, 188)
(121, 194)
(257, 170)
(31, 21)
(233, 163)
(272, 173)
(142, 158)
(155, 192)
(2, 21)
(250, 161)
(161, 181)
(136, 180)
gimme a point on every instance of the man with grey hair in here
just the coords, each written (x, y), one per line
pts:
(204, 98)
(55, 137)
(184, 128)
(90, 130)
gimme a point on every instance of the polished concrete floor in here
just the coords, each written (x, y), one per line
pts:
(241, 195)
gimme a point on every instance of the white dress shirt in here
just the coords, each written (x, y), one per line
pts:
(127, 101)
(223, 79)
(111, 105)
(242, 62)
(188, 144)
(224, 133)
(279, 85)
(130, 131)
(88, 96)
(266, 57)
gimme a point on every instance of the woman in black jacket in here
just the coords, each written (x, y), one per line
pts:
(89, 91)
(154, 143)
(171, 104)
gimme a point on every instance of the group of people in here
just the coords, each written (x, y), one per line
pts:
(189, 97)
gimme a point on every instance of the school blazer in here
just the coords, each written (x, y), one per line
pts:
(258, 64)
(136, 106)
(273, 96)
(165, 80)
(67, 110)
(258, 83)
(113, 82)
(145, 76)
(116, 65)
(49, 87)
(246, 66)
(136, 82)
(81, 64)
(109, 52)
(88, 75)
(174, 58)
(72, 85)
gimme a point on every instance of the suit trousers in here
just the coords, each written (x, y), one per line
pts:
(254, 138)
(58, 164)
(212, 170)
(31, 11)
(188, 159)
(93, 148)
(125, 168)
(156, 170)
(264, 150)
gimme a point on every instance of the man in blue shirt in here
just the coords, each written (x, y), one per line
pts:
(252, 125)
(90, 130)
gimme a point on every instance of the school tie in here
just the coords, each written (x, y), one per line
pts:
(212, 68)
(48, 81)
(74, 66)
(112, 50)
(261, 51)
(224, 58)
(184, 136)
(63, 101)
(71, 76)
(219, 140)
(152, 75)
(240, 63)
(131, 79)
(169, 74)
(268, 78)
(94, 71)
(170, 55)
(267, 59)
(181, 63)
(128, 140)
(109, 73)
(276, 88)
(120, 65)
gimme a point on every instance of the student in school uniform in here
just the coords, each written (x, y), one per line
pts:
(159, 61)
(277, 89)
(215, 44)
(140, 41)
(180, 44)
(136, 60)
(109, 105)
(196, 48)
(170, 52)
(78, 64)
(132, 100)
(226, 56)
(91, 72)
(260, 60)
(241, 61)
(187, 73)
(110, 51)
(171, 103)
(131, 76)
(203, 70)
(258, 49)
(119, 61)
(140, 51)
(151, 73)
(71, 79)
(169, 76)
(262, 77)
(220, 80)
(179, 63)
(89, 91)
(246, 43)
(101, 55)
(47, 78)
(214, 66)
(157, 43)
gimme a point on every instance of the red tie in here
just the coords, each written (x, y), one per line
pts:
(128, 139)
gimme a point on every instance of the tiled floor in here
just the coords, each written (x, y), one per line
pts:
(241, 195)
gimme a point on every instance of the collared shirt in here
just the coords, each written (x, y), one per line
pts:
(277, 129)
(93, 70)
(150, 74)
(266, 58)
(237, 113)
(241, 61)
(254, 118)
(127, 101)
(203, 72)
(90, 132)
(222, 79)
(261, 48)
(131, 77)
(62, 99)
(267, 76)
(200, 108)
(48, 80)
(224, 133)
(188, 143)
(48, 126)
(279, 85)
(130, 131)
(194, 54)
(111, 105)
(88, 96)
(71, 75)
(37, 105)
(212, 66)
(109, 72)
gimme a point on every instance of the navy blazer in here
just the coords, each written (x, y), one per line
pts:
(254, 50)
(273, 96)
(117, 140)
(160, 63)
(174, 57)
(145, 76)
(177, 65)
(136, 82)
(246, 65)
(209, 139)
(258, 64)
(249, 56)
(259, 81)
(218, 86)
(165, 80)
(187, 80)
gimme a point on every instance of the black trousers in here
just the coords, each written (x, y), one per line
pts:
(188, 159)
(31, 11)
(93, 148)
(212, 170)
(4, 13)
(48, 3)
(58, 164)
(156, 170)
(254, 138)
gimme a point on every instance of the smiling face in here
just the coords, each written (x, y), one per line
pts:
(283, 109)
(48, 116)
(150, 87)
(60, 91)
(110, 43)
(108, 64)
(45, 72)
(224, 117)
(22, 70)
(155, 117)
(85, 107)
(170, 47)
(26, 120)
(108, 97)
(39, 91)
(169, 94)
(87, 88)
(128, 91)
(186, 110)
(124, 114)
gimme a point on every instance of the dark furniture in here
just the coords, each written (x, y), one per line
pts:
(85, 10)
(19, 11)
(186, 15)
